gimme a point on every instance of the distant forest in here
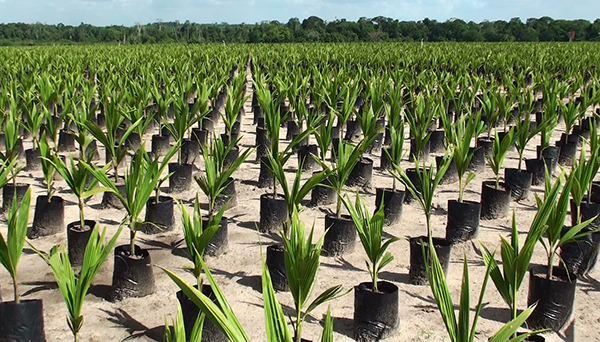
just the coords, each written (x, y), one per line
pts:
(312, 29)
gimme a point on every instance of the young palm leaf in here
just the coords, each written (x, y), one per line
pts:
(178, 333)
(224, 318)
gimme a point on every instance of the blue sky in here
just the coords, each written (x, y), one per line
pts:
(128, 12)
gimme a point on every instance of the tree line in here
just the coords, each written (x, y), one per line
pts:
(311, 29)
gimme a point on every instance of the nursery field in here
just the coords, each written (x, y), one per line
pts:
(505, 187)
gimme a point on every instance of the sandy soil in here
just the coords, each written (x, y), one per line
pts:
(238, 271)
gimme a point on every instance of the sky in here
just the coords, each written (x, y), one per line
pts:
(130, 12)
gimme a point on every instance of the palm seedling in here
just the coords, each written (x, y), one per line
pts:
(370, 232)
(81, 135)
(395, 151)
(347, 156)
(490, 107)
(75, 287)
(570, 114)
(221, 314)
(183, 119)
(198, 235)
(49, 210)
(116, 149)
(349, 93)
(523, 134)
(216, 176)
(12, 141)
(504, 106)
(301, 264)
(163, 99)
(32, 123)
(499, 149)
(11, 248)
(462, 330)
(583, 172)
(52, 127)
(515, 261)
(424, 186)
(47, 156)
(420, 116)
(178, 333)
(233, 105)
(549, 118)
(463, 131)
(80, 181)
(556, 236)
(140, 181)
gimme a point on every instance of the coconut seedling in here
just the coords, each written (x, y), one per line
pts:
(74, 288)
(220, 313)
(22, 319)
(375, 302)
